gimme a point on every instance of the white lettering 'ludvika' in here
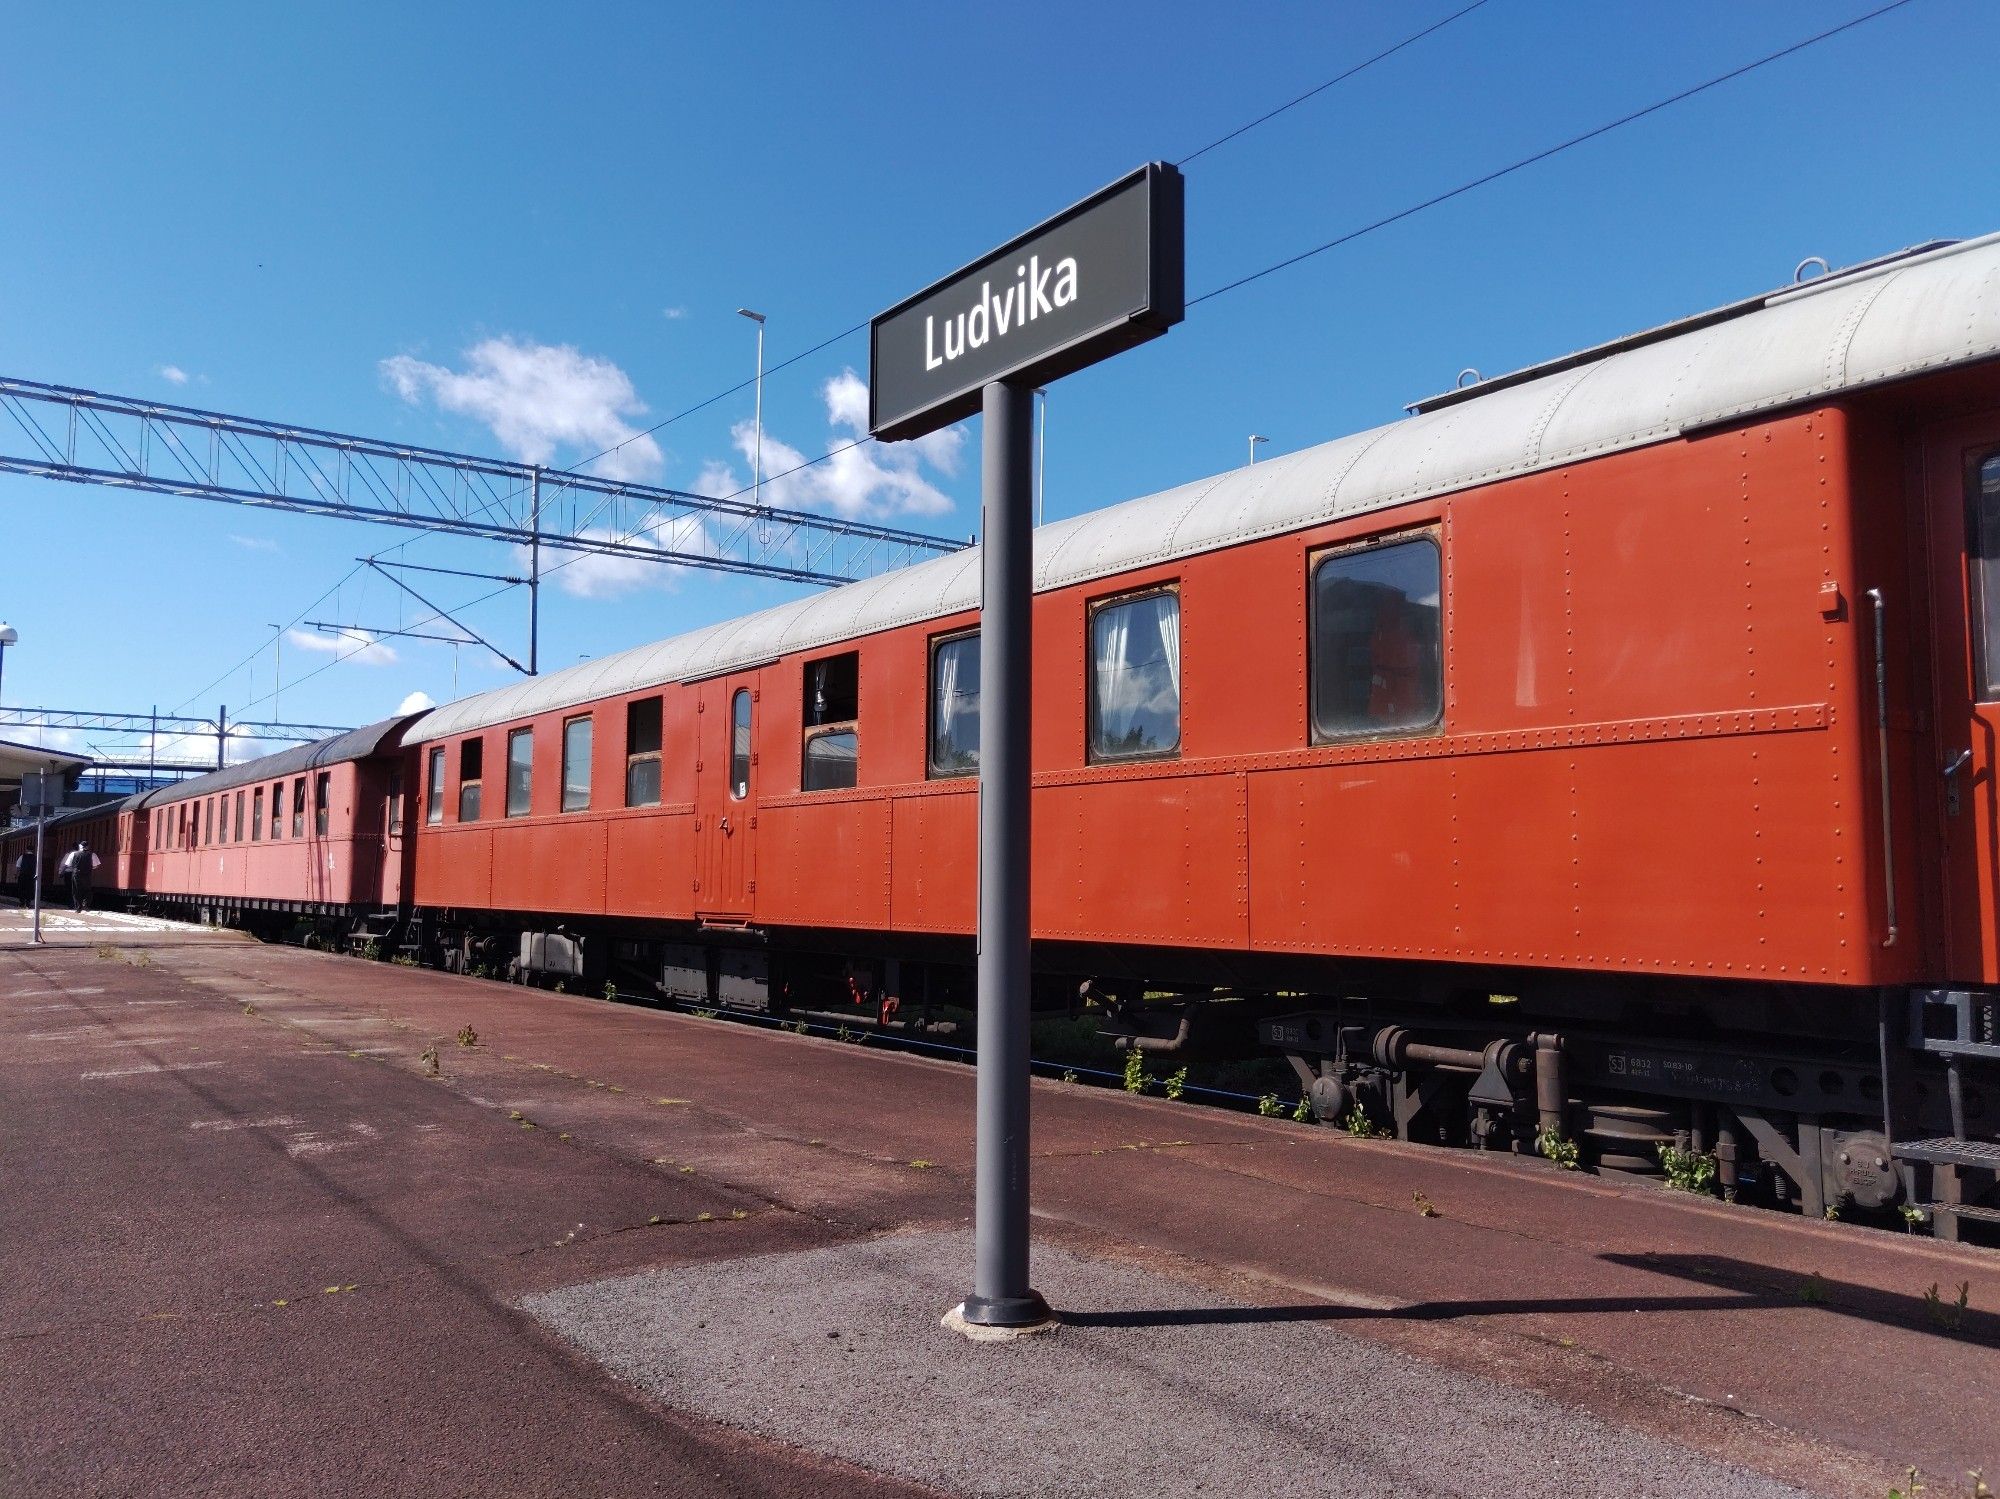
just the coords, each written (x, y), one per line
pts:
(1036, 292)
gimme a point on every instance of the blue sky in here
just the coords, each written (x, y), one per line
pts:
(517, 228)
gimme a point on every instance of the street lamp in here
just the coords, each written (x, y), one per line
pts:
(8, 635)
(757, 461)
(1254, 440)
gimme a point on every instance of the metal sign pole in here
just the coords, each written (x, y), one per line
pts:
(41, 819)
(1001, 1296)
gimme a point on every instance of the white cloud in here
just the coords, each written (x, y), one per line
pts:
(871, 480)
(538, 398)
(350, 645)
(600, 575)
(673, 314)
(415, 702)
(173, 374)
(37, 732)
(255, 543)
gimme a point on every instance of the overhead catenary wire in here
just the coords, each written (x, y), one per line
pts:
(1339, 78)
(1556, 150)
(826, 343)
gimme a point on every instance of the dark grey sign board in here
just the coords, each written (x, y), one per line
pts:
(1098, 278)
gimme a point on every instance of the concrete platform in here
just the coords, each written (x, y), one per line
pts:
(265, 1206)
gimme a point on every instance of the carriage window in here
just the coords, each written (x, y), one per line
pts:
(1135, 679)
(239, 817)
(257, 815)
(955, 706)
(642, 753)
(1982, 544)
(1377, 640)
(299, 807)
(395, 799)
(434, 793)
(322, 785)
(208, 824)
(278, 809)
(576, 765)
(471, 770)
(832, 706)
(520, 772)
(739, 744)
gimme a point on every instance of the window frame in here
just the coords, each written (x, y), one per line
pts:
(1979, 607)
(257, 814)
(1168, 588)
(475, 784)
(237, 826)
(809, 732)
(748, 699)
(527, 808)
(322, 804)
(932, 770)
(634, 758)
(1315, 558)
(434, 788)
(299, 807)
(589, 722)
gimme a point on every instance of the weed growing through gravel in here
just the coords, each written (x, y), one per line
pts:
(1425, 1208)
(467, 1036)
(1176, 1084)
(1269, 1106)
(429, 1059)
(610, 990)
(1950, 1315)
(1812, 1290)
(1913, 1217)
(1687, 1170)
(1069, 1075)
(1358, 1124)
(1137, 1079)
(1303, 1114)
(1551, 1145)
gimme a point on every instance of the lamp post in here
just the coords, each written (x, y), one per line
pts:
(1254, 440)
(1042, 458)
(757, 458)
(8, 635)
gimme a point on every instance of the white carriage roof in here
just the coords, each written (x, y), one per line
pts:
(1885, 320)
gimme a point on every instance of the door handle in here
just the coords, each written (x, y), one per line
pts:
(1952, 767)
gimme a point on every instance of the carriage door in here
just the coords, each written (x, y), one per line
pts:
(1962, 495)
(726, 801)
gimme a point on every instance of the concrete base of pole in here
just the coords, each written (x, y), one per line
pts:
(980, 1332)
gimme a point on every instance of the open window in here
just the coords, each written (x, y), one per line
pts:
(299, 807)
(520, 772)
(238, 830)
(1135, 676)
(642, 753)
(1377, 654)
(395, 817)
(832, 709)
(471, 773)
(322, 794)
(955, 705)
(576, 764)
(257, 815)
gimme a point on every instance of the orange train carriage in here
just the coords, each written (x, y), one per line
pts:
(1605, 753)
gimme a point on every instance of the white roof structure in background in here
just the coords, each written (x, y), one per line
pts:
(17, 760)
(1886, 320)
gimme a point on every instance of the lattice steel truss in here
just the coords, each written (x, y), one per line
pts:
(87, 437)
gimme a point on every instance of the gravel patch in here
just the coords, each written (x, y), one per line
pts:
(1151, 1388)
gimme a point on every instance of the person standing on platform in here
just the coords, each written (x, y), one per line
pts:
(24, 879)
(77, 866)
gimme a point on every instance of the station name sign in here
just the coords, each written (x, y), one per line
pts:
(1096, 279)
